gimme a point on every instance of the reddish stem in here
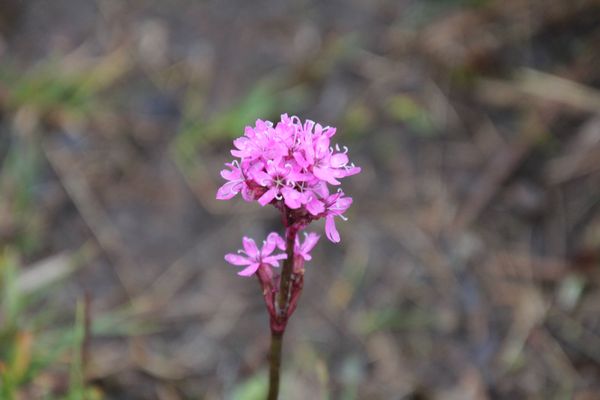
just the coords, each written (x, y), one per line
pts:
(286, 274)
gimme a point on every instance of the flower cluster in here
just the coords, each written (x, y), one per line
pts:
(253, 258)
(291, 165)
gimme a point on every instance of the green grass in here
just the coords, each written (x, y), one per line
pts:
(27, 347)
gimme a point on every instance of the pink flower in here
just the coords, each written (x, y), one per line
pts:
(237, 176)
(280, 181)
(335, 206)
(303, 250)
(254, 258)
(235, 184)
(262, 141)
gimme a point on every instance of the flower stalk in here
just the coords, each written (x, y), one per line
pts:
(275, 364)
(286, 274)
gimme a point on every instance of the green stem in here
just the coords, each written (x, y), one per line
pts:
(275, 364)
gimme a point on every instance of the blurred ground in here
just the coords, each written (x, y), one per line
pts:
(469, 268)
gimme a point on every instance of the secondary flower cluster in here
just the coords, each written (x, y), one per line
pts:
(252, 257)
(291, 165)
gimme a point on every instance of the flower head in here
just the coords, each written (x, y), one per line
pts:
(290, 164)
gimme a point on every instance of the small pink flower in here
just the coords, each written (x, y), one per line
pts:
(235, 184)
(254, 258)
(280, 179)
(335, 206)
(260, 142)
(303, 250)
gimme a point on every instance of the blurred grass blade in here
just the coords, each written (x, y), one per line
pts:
(76, 373)
(11, 300)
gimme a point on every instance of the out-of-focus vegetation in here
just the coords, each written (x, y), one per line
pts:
(31, 341)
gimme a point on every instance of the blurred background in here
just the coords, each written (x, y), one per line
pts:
(469, 268)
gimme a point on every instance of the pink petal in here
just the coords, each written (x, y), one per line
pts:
(338, 160)
(272, 168)
(261, 125)
(267, 248)
(292, 197)
(274, 260)
(241, 142)
(325, 174)
(231, 174)
(273, 240)
(229, 190)
(236, 259)
(321, 189)
(249, 131)
(331, 230)
(254, 167)
(250, 247)
(310, 242)
(250, 270)
(278, 240)
(344, 203)
(262, 178)
(267, 197)
(347, 171)
(322, 147)
(353, 171)
(247, 193)
(315, 207)
(300, 159)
